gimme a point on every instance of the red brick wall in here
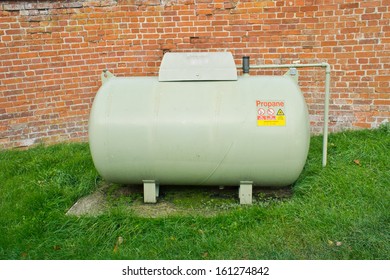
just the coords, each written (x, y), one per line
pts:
(52, 53)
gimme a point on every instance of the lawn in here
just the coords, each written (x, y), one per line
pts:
(338, 212)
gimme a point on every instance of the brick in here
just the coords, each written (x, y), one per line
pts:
(308, 8)
(13, 7)
(383, 78)
(52, 53)
(349, 6)
(371, 16)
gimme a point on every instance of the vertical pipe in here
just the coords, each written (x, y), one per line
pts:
(326, 115)
(245, 64)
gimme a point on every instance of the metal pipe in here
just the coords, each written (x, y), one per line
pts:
(326, 101)
(264, 66)
(245, 64)
(326, 115)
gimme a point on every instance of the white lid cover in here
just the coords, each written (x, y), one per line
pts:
(197, 66)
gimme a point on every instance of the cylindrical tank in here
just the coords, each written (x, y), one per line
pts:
(200, 132)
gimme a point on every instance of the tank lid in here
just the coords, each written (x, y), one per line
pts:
(197, 66)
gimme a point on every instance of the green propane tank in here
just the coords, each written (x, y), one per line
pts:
(199, 124)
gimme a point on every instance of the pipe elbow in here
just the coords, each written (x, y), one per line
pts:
(327, 65)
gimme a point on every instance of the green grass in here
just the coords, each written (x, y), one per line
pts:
(339, 212)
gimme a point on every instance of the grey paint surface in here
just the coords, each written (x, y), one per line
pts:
(197, 132)
(194, 66)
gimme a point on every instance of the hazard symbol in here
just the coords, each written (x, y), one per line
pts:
(280, 112)
(270, 113)
(261, 111)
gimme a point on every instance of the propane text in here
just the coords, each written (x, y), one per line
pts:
(270, 103)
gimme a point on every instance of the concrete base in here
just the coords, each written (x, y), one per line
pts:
(151, 191)
(245, 192)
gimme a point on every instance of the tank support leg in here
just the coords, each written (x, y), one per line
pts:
(151, 191)
(245, 192)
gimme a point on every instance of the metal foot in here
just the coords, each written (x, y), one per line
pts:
(151, 191)
(245, 192)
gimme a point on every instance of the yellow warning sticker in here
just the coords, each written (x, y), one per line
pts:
(270, 113)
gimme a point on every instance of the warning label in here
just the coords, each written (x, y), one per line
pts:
(280, 113)
(270, 113)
